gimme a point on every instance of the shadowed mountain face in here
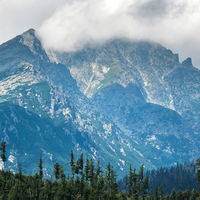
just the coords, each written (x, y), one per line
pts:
(123, 102)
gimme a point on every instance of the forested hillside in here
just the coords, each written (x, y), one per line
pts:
(87, 180)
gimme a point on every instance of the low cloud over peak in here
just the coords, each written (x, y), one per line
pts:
(68, 25)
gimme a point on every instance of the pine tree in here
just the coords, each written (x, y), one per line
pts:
(97, 175)
(78, 168)
(110, 181)
(180, 182)
(72, 164)
(59, 172)
(40, 166)
(187, 193)
(62, 173)
(19, 175)
(86, 170)
(3, 153)
(157, 193)
(151, 194)
(198, 172)
(194, 194)
(130, 181)
(56, 171)
(145, 187)
(179, 195)
(141, 190)
(173, 195)
(91, 173)
(100, 185)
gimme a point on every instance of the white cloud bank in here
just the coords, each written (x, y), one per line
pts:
(68, 25)
(17, 16)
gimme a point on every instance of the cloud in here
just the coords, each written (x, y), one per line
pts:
(158, 9)
(17, 16)
(70, 24)
(173, 23)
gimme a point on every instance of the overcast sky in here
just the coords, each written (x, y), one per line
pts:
(69, 24)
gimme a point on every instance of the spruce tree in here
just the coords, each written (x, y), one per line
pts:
(173, 195)
(110, 181)
(86, 170)
(40, 166)
(141, 181)
(91, 173)
(180, 182)
(62, 173)
(194, 194)
(130, 181)
(78, 169)
(157, 193)
(179, 195)
(72, 164)
(56, 171)
(160, 191)
(145, 187)
(198, 172)
(3, 153)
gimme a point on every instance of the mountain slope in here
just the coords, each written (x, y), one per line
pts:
(43, 111)
(158, 75)
(117, 102)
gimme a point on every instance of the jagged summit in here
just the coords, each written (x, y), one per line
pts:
(30, 31)
(30, 40)
(188, 63)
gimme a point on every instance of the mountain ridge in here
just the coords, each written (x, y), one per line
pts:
(111, 102)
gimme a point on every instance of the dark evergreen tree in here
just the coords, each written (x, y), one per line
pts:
(100, 186)
(87, 169)
(198, 172)
(40, 166)
(194, 194)
(180, 182)
(72, 164)
(157, 196)
(56, 171)
(173, 195)
(78, 167)
(3, 153)
(187, 193)
(179, 195)
(91, 173)
(145, 187)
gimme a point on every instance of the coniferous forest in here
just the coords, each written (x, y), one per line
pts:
(87, 180)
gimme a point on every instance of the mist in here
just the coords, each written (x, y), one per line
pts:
(66, 25)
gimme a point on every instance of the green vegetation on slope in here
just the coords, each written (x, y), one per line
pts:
(86, 181)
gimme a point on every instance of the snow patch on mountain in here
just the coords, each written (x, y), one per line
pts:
(11, 159)
(10, 83)
(122, 151)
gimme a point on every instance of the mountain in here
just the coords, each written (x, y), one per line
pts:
(122, 102)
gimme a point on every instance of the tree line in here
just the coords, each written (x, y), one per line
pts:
(86, 181)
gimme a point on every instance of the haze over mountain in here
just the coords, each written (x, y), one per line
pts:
(68, 25)
(120, 101)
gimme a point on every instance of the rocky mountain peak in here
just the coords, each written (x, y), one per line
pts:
(29, 39)
(187, 63)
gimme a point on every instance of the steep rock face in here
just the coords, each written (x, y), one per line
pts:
(122, 62)
(117, 102)
(147, 64)
(170, 90)
(148, 124)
